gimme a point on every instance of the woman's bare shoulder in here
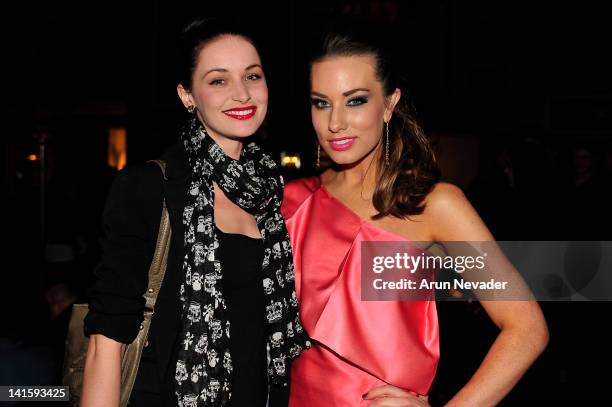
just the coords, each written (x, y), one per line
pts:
(452, 216)
(444, 192)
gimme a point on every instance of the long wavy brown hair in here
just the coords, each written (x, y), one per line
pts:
(412, 171)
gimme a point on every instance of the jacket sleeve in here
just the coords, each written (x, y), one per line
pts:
(131, 221)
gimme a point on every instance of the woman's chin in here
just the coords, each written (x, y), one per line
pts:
(347, 160)
(240, 134)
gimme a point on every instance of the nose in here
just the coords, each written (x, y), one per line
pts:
(241, 93)
(337, 121)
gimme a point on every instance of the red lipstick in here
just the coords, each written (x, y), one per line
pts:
(241, 113)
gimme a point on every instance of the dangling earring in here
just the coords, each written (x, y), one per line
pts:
(191, 109)
(387, 143)
(318, 155)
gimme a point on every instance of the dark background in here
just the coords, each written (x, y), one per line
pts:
(510, 92)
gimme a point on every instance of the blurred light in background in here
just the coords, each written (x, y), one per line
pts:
(291, 160)
(117, 142)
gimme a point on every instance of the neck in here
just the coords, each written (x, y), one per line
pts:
(361, 175)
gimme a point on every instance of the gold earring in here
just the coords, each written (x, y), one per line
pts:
(318, 155)
(387, 143)
(191, 109)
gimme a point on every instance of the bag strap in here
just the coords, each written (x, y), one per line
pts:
(157, 270)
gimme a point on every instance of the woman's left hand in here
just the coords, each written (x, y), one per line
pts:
(391, 396)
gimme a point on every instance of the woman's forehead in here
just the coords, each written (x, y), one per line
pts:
(342, 73)
(230, 52)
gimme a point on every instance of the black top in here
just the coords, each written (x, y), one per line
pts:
(131, 221)
(241, 257)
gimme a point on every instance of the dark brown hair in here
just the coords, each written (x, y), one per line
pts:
(403, 184)
(199, 33)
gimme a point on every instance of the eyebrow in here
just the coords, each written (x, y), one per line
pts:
(215, 70)
(223, 70)
(347, 93)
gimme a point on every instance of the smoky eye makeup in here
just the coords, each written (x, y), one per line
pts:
(319, 103)
(357, 101)
(354, 101)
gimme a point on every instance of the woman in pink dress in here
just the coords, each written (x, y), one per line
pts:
(384, 186)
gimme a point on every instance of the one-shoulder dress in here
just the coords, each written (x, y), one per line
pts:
(357, 345)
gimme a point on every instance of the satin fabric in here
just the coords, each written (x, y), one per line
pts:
(357, 345)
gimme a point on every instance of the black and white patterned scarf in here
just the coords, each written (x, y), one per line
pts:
(204, 366)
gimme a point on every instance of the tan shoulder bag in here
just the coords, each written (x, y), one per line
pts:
(77, 342)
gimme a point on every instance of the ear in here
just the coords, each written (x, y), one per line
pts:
(185, 96)
(391, 103)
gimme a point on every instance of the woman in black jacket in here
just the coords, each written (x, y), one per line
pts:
(228, 289)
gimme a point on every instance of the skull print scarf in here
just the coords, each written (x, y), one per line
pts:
(204, 365)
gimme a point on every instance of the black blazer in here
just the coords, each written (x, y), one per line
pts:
(131, 222)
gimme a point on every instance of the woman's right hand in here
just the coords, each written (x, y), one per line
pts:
(102, 376)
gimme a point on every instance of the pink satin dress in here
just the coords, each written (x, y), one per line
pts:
(357, 345)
